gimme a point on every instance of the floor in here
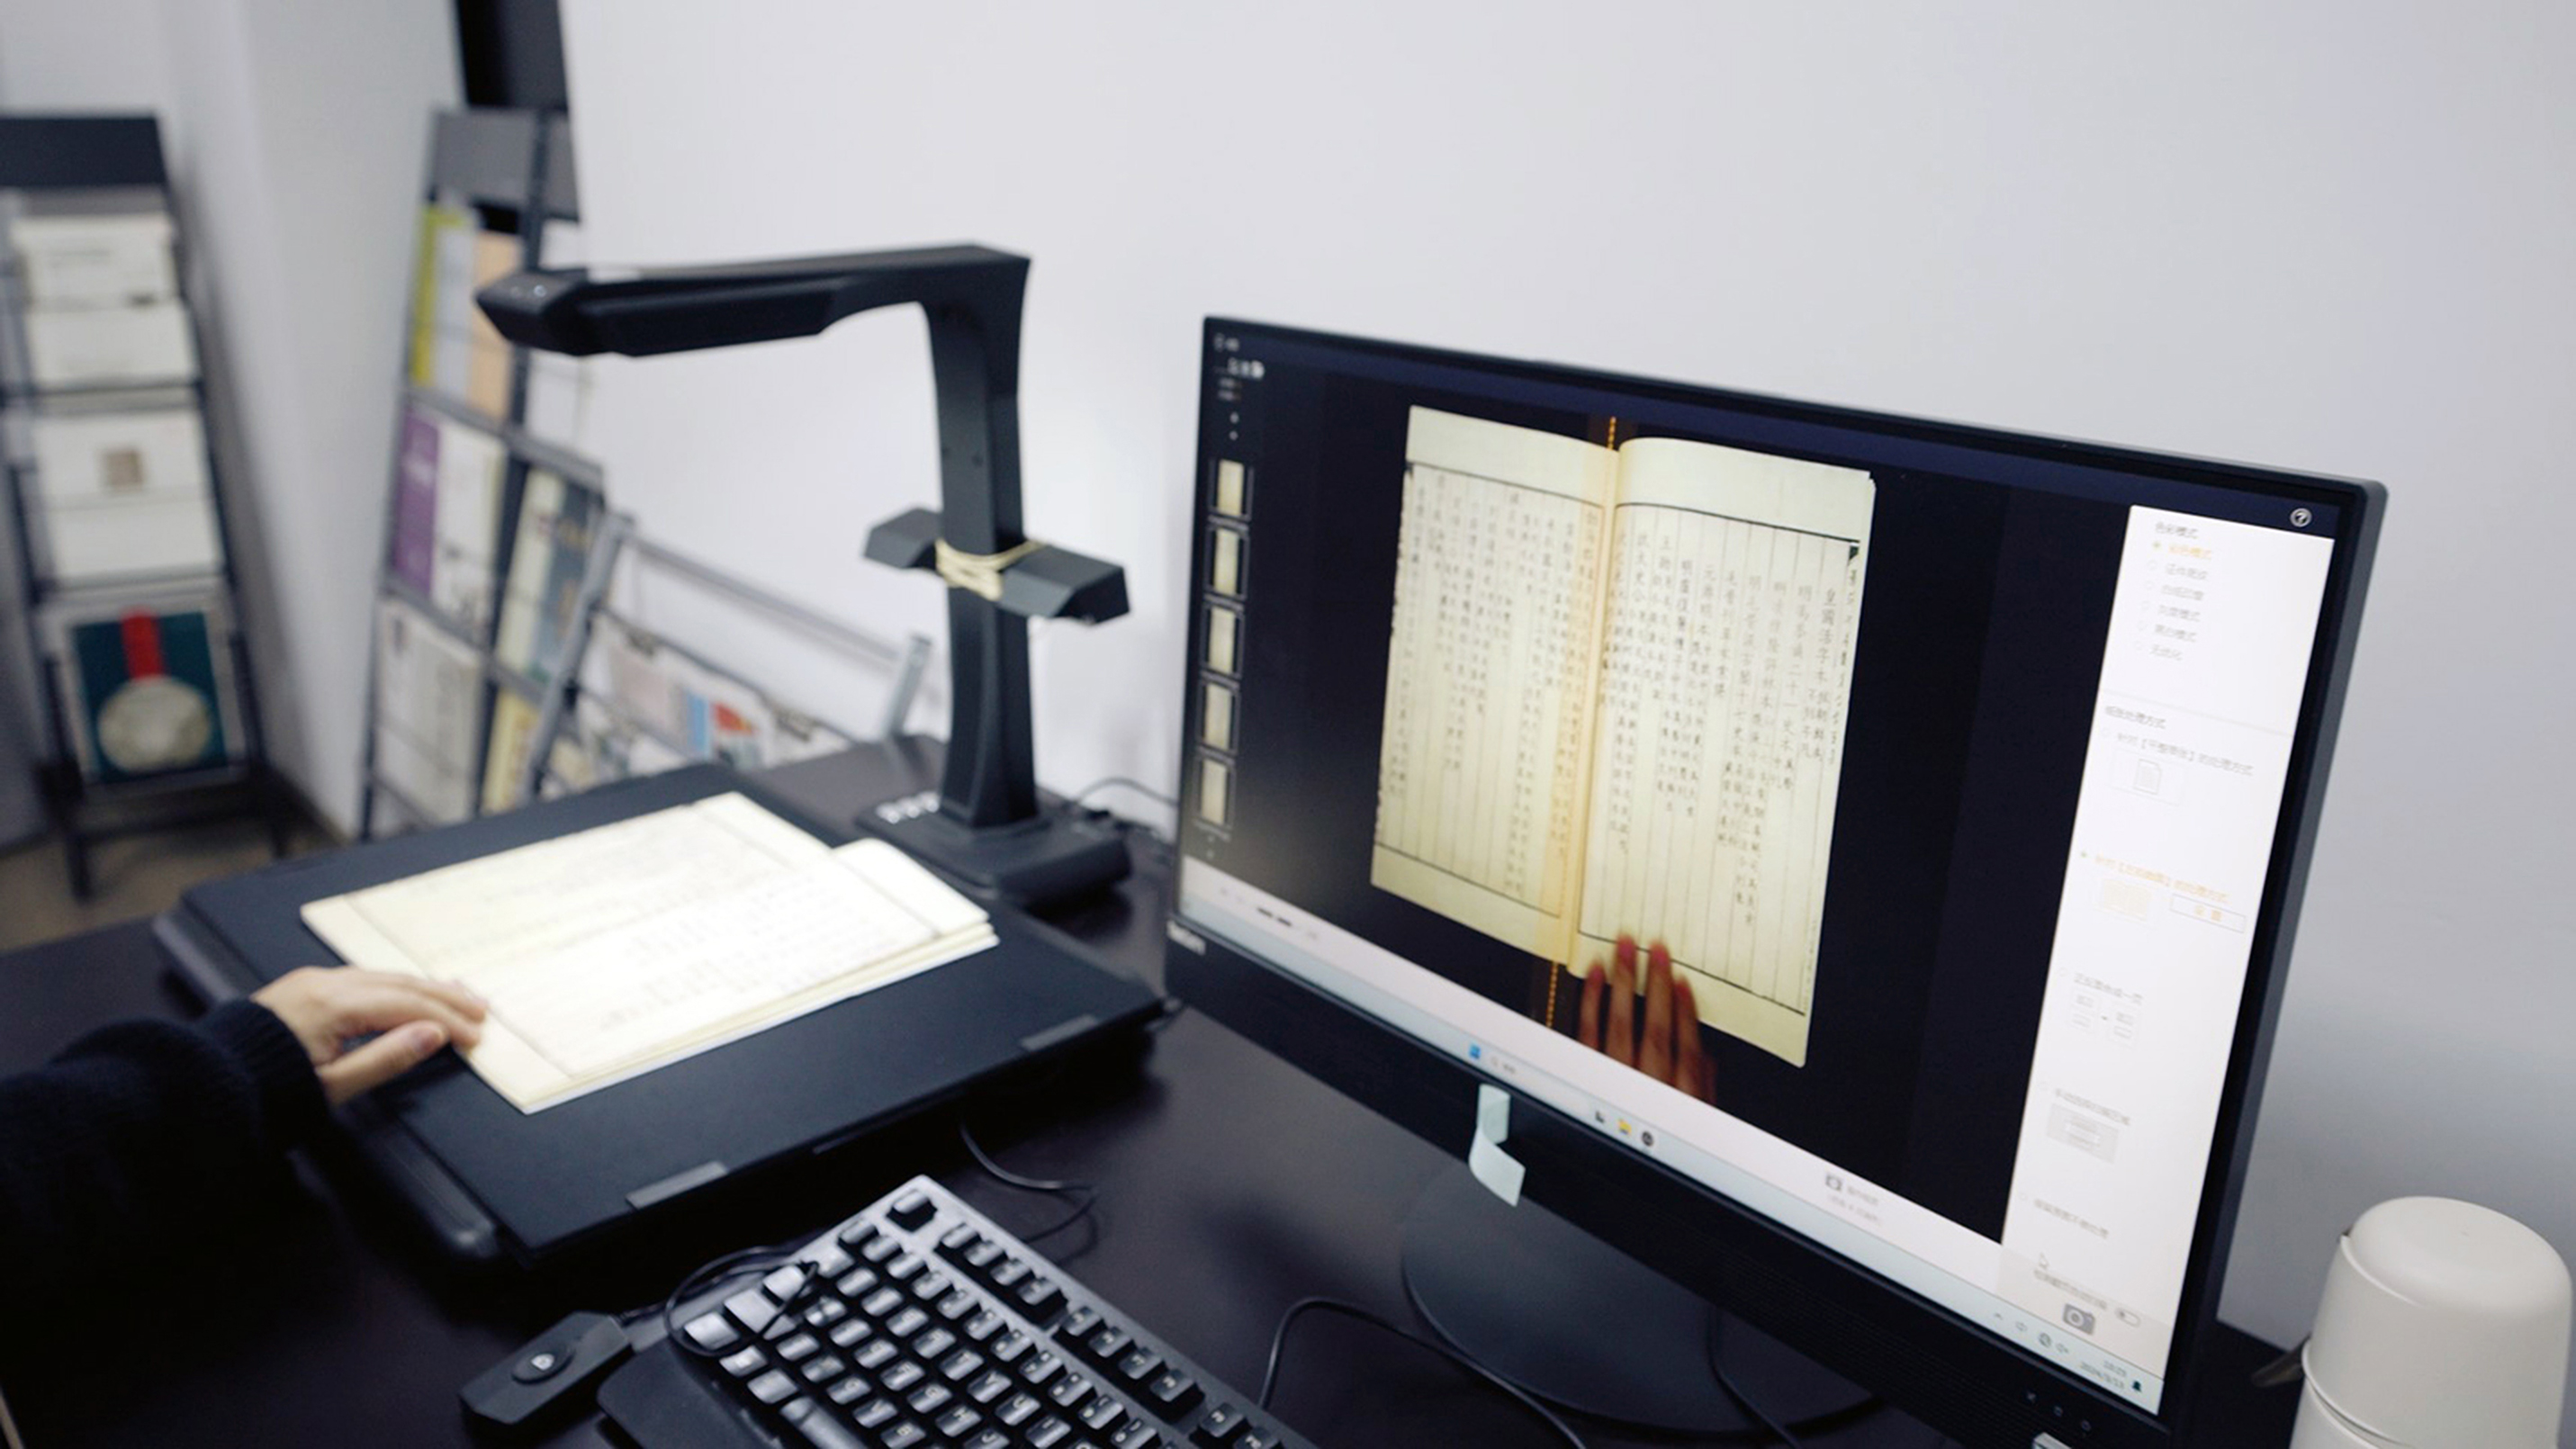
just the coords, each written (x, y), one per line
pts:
(139, 875)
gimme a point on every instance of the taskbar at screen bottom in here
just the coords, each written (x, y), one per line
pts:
(1878, 1232)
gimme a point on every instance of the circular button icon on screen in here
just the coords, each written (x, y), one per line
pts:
(2301, 518)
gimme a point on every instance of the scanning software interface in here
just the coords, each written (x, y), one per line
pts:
(1865, 826)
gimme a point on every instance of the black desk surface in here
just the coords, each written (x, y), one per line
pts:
(1230, 1186)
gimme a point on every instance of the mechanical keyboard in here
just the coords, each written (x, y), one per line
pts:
(919, 1324)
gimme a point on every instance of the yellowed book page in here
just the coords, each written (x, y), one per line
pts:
(1489, 675)
(615, 951)
(1726, 681)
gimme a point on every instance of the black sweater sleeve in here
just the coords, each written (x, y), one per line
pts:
(140, 1136)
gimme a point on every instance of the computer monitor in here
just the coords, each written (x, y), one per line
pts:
(1953, 788)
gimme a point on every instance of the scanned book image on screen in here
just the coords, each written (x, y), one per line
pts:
(614, 951)
(1617, 686)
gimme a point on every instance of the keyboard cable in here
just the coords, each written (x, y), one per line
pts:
(1279, 1343)
(1087, 1193)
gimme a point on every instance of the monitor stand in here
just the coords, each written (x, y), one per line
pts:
(1578, 1323)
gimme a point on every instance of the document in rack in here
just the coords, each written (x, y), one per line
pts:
(621, 949)
(1617, 684)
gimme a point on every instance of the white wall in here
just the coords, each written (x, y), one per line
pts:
(2325, 236)
(296, 131)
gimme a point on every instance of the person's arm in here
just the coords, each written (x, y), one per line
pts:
(145, 1132)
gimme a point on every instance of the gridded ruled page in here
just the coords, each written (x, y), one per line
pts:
(1489, 675)
(1725, 689)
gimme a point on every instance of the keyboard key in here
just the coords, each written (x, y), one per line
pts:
(856, 1282)
(1258, 1439)
(934, 1343)
(800, 1348)
(931, 1398)
(855, 1233)
(959, 1238)
(1017, 1409)
(1048, 1432)
(878, 1249)
(1011, 1345)
(1079, 1322)
(1040, 1298)
(1106, 1345)
(785, 1283)
(1138, 1434)
(851, 1389)
(848, 1331)
(773, 1387)
(830, 1262)
(904, 1436)
(1009, 1272)
(880, 1303)
(826, 1313)
(711, 1333)
(961, 1365)
(825, 1369)
(875, 1355)
(1218, 1425)
(984, 1325)
(983, 1255)
(752, 1309)
(1172, 1393)
(955, 1306)
(957, 1423)
(876, 1413)
(988, 1439)
(1069, 1390)
(1140, 1365)
(1039, 1367)
(1101, 1412)
(746, 1363)
(912, 1209)
(903, 1266)
(818, 1428)
(902, 1376)
(991, 1384)
(907, 1322)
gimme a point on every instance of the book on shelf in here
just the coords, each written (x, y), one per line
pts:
(505, 758)
(1616, 687)
(110, 260)
(120, 494)
(429, 698)
(454, 348)
(79, 347)
(150, 689)
(541, 586)
(447, 510)
(702, 712)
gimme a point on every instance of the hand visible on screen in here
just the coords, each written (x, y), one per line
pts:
(364, 1028)
(1658, 1032)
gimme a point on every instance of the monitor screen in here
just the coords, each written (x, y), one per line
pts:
(1888, 828)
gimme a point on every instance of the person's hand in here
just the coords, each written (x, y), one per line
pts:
(1665, 1043)
(365, 1028)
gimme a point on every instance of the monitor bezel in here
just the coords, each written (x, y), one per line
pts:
(1923, 1357)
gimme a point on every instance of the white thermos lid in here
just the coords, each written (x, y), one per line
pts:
(2443, 1323)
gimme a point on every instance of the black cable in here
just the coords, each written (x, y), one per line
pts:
(1089, 1193)
(1787, 1439)
(1279, 1342)
(1123, 782)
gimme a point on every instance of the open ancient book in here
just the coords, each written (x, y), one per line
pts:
(1616, 694)
(623, 948)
